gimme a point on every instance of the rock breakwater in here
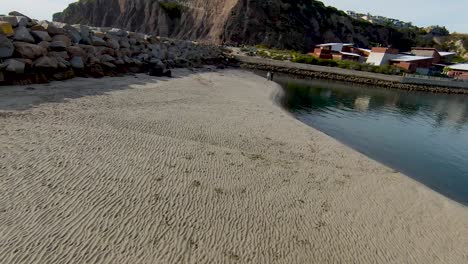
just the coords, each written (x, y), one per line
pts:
(33, 51)
(303, 73)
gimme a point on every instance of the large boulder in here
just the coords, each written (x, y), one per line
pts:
(124, 43)
(18, 14)
(73, 34)
(10, 19)
(6, 47)
(22, 34)
(6, 29)
(106, 58)
(117, 32)
(58, 45)
(53, 28)
(98, 41)
(77, 62)
(41, 35)
(85, 33)
(59, 54)
(13, 65)
(44, 44)
(76, 51)
(66, 40)
(46, 62)
(28, 50)
(113, 43)
(22, 21)
(62, 63)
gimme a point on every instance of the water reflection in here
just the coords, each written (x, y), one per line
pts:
(423, 135)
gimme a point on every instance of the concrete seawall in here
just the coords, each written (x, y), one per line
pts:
(369, 78)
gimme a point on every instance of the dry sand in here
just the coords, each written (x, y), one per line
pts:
(204, 168)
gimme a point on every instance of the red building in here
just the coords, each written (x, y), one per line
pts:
(412, 63)
(458, 71)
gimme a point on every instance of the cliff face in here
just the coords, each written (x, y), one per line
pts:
(291, 24)
(190, 19)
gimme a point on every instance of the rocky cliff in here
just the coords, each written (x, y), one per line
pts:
(290, 24)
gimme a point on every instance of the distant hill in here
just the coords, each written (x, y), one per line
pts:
(286, 24)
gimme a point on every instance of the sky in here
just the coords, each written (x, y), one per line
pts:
(449, 13)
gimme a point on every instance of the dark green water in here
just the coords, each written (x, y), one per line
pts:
(422, 135)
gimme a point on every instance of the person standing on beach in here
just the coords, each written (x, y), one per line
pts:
(270, 76)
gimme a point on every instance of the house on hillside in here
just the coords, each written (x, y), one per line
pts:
(339, 51)
(388, 56)
(381, 56)
(458, 71)
(439, 57)
(413, 64)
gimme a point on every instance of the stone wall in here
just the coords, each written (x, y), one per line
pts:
(33, 51)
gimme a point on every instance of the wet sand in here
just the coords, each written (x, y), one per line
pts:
(202, 168)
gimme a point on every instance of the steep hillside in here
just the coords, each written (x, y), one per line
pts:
(291, 24)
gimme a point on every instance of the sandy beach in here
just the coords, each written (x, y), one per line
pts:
(201, 168)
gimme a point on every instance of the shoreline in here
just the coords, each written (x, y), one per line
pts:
(343, 75)
(205, 167)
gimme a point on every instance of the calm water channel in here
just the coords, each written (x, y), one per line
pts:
(422, 135)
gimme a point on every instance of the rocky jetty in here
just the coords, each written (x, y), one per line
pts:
(33, 51)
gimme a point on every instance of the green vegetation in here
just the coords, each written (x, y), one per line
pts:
(458, 59)
(173, 9)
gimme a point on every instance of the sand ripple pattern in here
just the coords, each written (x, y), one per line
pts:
(204, 168)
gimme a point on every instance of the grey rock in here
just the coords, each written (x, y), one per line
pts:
(76, 51)
(16, 13)
(74, 35)
(106, 58)
(77, 62)
(23, 21)
(93, 60)
(44, 44)
(6, 47)
(124, 43)
(119, 62)
(41, 35)
(58, 45)
(143, 57)
(53, 28)
(59, 54)
(113, 43)
(90, 50)
(46, 62)
(15, 66)
(105, 50)
(28, 50)
(10, 19)
(22, 34)
(62, 63)
(85, 34)
(109, 65)
(117, 32)
(66, 40)
(132, 41)
(98, 41)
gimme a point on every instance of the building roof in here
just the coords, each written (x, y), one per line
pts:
(350, 54)
(365, 50)
(335, 44)
(422, 48)
(444, 53)
(459, 67)
(411, 58)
